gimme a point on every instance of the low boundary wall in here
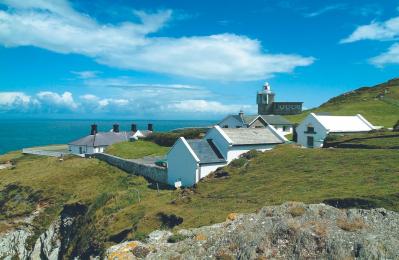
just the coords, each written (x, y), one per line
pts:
(153, 172)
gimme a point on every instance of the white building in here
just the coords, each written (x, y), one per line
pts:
(312, 131)
(191, 160)
(96, 142)
(256, 121)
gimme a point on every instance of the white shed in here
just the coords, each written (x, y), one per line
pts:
(191, 160)
(312, 131)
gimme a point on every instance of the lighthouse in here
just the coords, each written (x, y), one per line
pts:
(265, 100)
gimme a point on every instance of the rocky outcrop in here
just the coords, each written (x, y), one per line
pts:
(289, 231)
(49, 245)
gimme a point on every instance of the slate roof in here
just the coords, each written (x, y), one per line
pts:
(252, 136)
(270, 119)
(102, 139)
(206, 151)
(276, 120)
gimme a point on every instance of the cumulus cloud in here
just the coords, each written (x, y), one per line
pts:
(389, 57)
(387, 30)
(15, 101)
(379, 31)
(60, 28)
(58, 101)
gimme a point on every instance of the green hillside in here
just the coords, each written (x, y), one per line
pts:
(378, 104)
(366, 178)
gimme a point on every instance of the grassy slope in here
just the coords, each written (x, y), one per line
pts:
(382, 111)
(284, 174)
(380, 140)
(138, 149)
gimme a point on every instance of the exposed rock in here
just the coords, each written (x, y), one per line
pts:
(289, 231)
(49, 243)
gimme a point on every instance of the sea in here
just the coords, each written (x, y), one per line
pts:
(16, 134)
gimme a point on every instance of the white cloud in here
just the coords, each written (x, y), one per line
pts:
(128, 45)
(389, 57)
(326, 9)
(387, 30)
(15, 101)
(206, 106)
(55, 100)
(87, 74)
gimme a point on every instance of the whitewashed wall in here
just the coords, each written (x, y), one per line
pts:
(75, 149)
(182, 165)
(235, 151)
(319, 137)
(206, 169)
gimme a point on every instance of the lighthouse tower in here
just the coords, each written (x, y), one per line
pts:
(265, 99)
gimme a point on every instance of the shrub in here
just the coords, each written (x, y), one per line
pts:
(251, 154)
(176, 238)
(296, 210)
(351, 225)
(238, 163)
(396, 127)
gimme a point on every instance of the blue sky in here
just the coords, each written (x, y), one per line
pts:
(187, 59)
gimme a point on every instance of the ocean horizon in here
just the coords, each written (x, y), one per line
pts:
(16, 134)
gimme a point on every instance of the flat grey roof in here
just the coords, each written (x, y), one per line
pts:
(252, 136)
(102, 139)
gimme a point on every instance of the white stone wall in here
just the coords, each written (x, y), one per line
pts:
(235, 151)
(206, 169)
(182, 166)
(319, 136)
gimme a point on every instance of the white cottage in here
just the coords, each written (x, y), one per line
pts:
(241, 120)
(312, 131)
(191, 160)
(96, 142)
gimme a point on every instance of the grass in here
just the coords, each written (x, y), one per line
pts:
(372, 140)
(137, 149)
(378, 104)
(114, 214)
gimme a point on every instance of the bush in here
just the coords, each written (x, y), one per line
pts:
(176, 238)
(251, 154)
(396, 127)
(238, 163)
(169, 138)
(349, 225)
(296, 210)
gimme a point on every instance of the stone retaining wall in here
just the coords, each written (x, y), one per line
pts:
(153, 172)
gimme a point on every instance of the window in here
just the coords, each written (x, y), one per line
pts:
(310, 141)
(238, 126)
(285, 128)
(225, 126)
(310, 130)
(80, 150)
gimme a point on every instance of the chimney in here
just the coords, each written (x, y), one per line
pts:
(115, 128)
(134, 128)
(93, 129)
(241, 113)
(150, 127)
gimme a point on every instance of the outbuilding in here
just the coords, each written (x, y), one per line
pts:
(312, 131)
(191, 160)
